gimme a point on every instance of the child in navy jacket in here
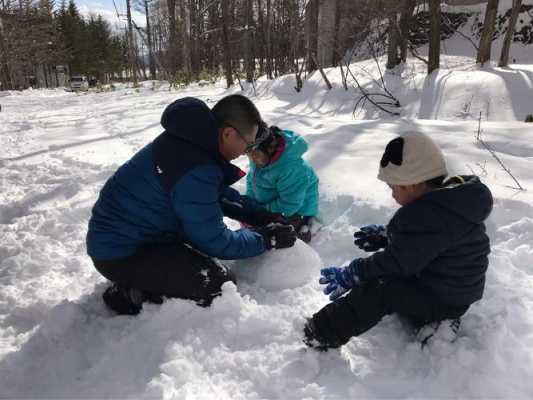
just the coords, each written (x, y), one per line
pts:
(434, 254)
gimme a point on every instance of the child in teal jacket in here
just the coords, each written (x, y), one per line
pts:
(281, 180)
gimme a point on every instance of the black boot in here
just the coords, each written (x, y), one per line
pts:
(445, 330)
(124, 301)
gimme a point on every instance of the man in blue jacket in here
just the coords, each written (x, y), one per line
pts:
(158, 220)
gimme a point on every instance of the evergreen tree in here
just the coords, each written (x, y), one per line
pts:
(72, 29)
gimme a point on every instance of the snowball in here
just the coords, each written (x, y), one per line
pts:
(280, 269)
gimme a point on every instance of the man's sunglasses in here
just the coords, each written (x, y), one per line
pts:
(250, 146)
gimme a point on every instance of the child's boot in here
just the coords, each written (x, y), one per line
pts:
(313, 339)
(445, 330)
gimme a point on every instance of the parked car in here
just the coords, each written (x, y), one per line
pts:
(79, 82)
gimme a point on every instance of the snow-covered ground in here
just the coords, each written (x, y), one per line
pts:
(57, 340)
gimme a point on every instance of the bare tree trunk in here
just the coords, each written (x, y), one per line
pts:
(268, 44)
(327, 31)
(485, 42)
(274, 46)
(5, 81)
(294, 38)
(45, 76)
(140, 63)
(336, 50)
(406, 18)
(185, 38)
(228, 70)
(172, 40)
(324, 76)
(392, 48)
(196, 27)
(213, 17)
(434, 36)
(504, 56)
(151, 61)
(131, 44)
(311, 34)
(248, 56)
(260, 37)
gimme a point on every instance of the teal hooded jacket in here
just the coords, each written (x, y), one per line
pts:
(288, 185)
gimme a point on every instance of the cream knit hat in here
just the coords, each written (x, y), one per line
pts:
(410, 159)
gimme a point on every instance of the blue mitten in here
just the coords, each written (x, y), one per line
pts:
(339, 280)
(371, 238)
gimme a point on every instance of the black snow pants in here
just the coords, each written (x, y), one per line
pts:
(364, 306)
(173, 270)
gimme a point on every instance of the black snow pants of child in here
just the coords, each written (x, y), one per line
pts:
(364, 306)
(174, 270)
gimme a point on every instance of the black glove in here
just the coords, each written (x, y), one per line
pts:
(264, 218)
(371, 238)
(277, 236)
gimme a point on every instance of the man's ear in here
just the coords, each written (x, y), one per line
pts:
(228, 131)
(223, 132)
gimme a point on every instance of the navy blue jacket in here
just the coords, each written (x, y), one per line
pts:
(441, 239)
(175, 188)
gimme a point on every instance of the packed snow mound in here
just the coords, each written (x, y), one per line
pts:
(280, 269)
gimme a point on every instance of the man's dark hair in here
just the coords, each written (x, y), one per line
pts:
(237, 111)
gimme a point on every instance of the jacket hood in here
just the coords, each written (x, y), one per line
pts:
(465, 196)
(191, 119)
(295, 147)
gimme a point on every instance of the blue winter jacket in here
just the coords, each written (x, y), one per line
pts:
(288, 185)
(175, 188)
(441, 239)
